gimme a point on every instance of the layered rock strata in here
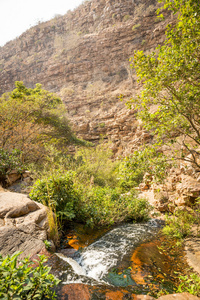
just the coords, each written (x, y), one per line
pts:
(84, 57)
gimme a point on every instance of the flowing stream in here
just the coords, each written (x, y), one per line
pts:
(126, 257)
(92, 264)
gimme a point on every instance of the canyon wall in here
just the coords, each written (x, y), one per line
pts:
(83, 56)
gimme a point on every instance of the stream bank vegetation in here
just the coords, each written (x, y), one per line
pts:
(182, 224)
(84, 189)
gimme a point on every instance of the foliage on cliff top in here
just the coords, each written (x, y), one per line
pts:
(171, 82)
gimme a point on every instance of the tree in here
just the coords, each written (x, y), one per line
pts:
(31, 118)
(169, 103)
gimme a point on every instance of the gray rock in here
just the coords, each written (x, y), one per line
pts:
(23, 224)
(182, 296)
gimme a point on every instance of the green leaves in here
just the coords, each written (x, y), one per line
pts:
(170, 78)
(189, 283)
(31, 118)
(179, 225)
(59, 193)
(93, 205)
(147, 160)
(20, 280)
(9, 161)
(108, 206)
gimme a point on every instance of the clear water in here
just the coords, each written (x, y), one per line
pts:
(92, 264)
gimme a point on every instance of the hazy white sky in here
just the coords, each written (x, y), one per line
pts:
(16, 16)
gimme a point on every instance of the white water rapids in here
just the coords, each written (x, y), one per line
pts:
(92, 264)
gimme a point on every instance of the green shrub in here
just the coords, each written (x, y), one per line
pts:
(107, 206)
(32, 118)
(93, 205)
(133, 168)
(179, 224)
(189, 283)
(19, 280)
(89, 163)
(9, 160)
(96, 164)
(57, 191)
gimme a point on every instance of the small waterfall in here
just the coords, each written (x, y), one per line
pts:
(75, 266)
(94, 262)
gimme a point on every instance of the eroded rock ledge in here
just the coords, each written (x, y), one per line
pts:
(23, 224)
(84, 57)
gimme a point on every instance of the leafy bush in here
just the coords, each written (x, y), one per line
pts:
(31, 118)
(179, 224)
(189, 283)
(96, 164)
(92, 165)
(93, 205)
(57, 191)
(88, 194)
(133, 168)
(107, 206)
(20, 280)
(9, 161)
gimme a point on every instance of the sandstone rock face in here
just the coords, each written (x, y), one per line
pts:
(84, 57)
(192, 247)
(183, 296)
(13, 176)
(178, 190)
(23, 224)
(144, 297)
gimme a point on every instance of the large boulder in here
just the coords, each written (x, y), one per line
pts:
(182, 296)
(177, 191)
(23, 224)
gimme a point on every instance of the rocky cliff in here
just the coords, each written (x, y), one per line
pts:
(84, 57)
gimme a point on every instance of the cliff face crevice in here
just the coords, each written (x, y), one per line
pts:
(84, 57)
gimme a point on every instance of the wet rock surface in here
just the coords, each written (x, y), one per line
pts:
(82, 292)
(74, 292)
(115, 268)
